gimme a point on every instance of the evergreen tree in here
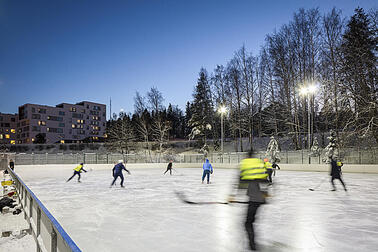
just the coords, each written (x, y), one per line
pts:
(202, 109)
(360, 74)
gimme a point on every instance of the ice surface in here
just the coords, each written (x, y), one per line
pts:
(147, 215)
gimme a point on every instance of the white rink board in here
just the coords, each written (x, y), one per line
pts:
(147, 216)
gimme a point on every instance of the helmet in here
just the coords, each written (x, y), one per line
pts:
(120, 161)
(82, 163)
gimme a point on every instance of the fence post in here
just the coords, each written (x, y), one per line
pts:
(84, 157)
(53, 240)
(302, 155)
(287, 156)
(96, 157)
(46, 157)
(107, 158)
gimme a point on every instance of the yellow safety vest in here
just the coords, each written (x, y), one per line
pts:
(268, 165)
(251, 169)
(78, 168)
(339, 164)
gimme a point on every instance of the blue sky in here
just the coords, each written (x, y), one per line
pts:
(75, 50)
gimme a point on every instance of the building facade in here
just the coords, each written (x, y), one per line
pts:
(8, 128)
(65, 123)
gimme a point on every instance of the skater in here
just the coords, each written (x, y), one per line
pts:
(169, 167)
(117, 172)
(207, 169)
(275, 166)
(11, 164)
(336, 173)
(268, 166)
(253, 175)
(77, 171)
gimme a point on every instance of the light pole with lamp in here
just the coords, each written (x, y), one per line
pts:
(222, 111)
(308, 91)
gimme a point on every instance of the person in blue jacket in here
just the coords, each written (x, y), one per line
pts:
(117, 172)
(207, 169)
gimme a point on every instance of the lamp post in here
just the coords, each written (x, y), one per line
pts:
(308, 91)
(222, 111)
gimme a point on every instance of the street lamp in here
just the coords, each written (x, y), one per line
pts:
(222, 110)
(308, 91)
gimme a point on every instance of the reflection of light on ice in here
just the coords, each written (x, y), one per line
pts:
(147, 216)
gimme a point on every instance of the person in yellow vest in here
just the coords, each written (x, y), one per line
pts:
(252, 174)
(269, 169)
(77, 171)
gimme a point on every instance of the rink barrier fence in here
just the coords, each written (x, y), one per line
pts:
(348, 156)
(46, 230)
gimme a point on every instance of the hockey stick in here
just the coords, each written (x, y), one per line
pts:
(183, 198)
(321, 182)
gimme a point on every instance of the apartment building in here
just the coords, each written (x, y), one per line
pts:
(64, 123)
(8, 128)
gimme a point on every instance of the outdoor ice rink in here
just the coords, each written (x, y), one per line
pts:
(147, 215)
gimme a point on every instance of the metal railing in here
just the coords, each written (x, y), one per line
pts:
(349, 156)
(46, 230)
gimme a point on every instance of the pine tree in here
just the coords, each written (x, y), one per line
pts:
(202, 109)
(360, 74)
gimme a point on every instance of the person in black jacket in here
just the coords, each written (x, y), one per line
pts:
(11, 164)
(336, 173)
(169, 168)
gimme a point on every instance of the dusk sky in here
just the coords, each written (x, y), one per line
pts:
(69, 51)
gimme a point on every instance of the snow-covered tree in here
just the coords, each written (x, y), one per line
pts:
(273, 150)
(201, 109)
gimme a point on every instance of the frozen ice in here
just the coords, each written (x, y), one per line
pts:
(146, 215)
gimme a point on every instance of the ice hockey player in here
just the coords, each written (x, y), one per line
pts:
(336, 173)
(207, 169)
(77, 171)
(275, 167)
(253, 175)
(117, 172)
(269, 168)
(169, 167)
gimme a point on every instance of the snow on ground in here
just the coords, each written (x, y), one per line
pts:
(18, 241)
(147, 215)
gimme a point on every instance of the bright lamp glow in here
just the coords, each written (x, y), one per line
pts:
(222, 110)
(311, 89)
(303, 91)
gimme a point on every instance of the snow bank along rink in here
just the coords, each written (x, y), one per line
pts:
(17, 241)
(146, 215)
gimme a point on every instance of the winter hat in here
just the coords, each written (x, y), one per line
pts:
(120, 161)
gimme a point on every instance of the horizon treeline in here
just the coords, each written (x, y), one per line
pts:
(264, 93)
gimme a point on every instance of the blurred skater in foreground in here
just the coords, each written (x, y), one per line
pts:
(77, 171)
(117, 172)
(253, 177)
(207, 169)
(336, 173)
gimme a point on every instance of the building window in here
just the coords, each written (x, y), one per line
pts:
(1, 136)
(1, 118)
(80, 121)
(74, 126)
(7, 136)
(61, 125)
(42, 123)
(33, 110)
(13, 142)
(42, 111)
(13, 131)
(76, 115)
(61, 113)
(83, 111)
(72, 109)
(62, 141)
(13, 119)
(36, 116)
(36, 128)
(55, 118)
